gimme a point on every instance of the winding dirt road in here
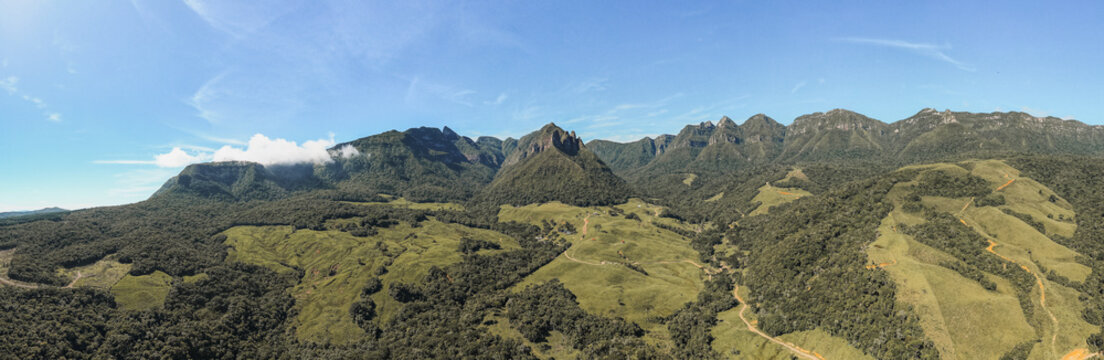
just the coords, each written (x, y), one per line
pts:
(1038, 281)
(11, 282)
(74, 282)
(811, 355)
(1081, 354)
(882, 265)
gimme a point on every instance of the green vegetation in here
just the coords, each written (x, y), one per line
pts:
(432, 245)
(770, 196)
(593, 268)
(552, 165)
(335, 266)
(102, 274)
(142, 292)
(789, 262)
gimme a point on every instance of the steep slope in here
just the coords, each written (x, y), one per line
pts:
(833, 135)
(625, 156)
(930, 134)
(714, 149)
(553, 165)
(421, 164)
(237, 180)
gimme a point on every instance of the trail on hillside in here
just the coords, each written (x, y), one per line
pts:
(74, 282)
(6, 281)
(1080, 354)
(811, 355)
(881, 265)
(1038, 281)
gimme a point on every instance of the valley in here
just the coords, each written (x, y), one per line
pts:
(830, 238)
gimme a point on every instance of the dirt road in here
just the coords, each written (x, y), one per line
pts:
(811, 355)
(1038, 281)
(1080, 354)
(74, 282)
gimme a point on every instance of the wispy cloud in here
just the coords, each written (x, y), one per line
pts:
(497, 101)
(1034, 111)
(247, 96)
(928, 50)
(610, 116)
(134, 185)
(239, 18)
(709, 112)
(798, 86)
(11, 86)
(589, 85)
(419, 88)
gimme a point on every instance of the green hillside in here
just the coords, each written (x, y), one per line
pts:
(945, 235)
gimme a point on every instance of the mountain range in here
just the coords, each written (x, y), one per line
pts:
(948, 235)
(427, 163)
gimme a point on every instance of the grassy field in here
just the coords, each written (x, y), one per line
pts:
(402, 202)
(689, 180)
(603, 285)
(102, 274)
(734, 341)
(963, 319)
(142, 292)
(336, 266)
(555, 348)
(770, 196)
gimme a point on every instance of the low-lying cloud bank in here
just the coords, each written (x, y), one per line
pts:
(265, 151)
(260, 149)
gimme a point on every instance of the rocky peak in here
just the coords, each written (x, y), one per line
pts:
(726, 122)
(549, 137)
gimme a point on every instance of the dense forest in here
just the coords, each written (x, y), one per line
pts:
(803, 262)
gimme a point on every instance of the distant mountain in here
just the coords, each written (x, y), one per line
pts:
(846, 135)
(48, 210)
(420, 164)
(553, 165)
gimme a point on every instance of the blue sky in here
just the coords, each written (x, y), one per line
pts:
(101, 102)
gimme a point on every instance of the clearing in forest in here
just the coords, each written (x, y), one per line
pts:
(957, 313)
(770, 196)
(336, 266)
(597, 272)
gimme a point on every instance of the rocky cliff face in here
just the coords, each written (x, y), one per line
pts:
(550, 137)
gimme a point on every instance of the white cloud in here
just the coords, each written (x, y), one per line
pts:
(55, 117)
(348, 151)
(929, 50)
(173, 159)
(798, 87)
(265, 151)
(260, 149)
(177, 158)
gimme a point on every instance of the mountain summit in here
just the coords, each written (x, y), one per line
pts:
(551, 164)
